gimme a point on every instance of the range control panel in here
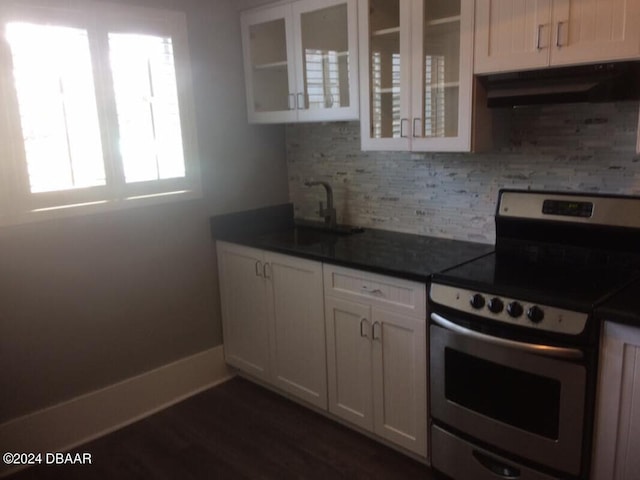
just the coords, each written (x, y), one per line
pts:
(567, 209)
(611, 211)
(509, 310)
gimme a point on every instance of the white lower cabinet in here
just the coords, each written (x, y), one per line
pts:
(350, 369)
(273, 319)
(376, 357)
(297, 337)
(617, 435)
(362, 346)
(400, 380)
(243, 297)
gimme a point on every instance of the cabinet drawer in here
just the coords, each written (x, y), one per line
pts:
(391, 293)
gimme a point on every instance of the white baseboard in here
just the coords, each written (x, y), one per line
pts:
(64, 426)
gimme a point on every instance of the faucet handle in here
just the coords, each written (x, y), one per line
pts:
(321, 210)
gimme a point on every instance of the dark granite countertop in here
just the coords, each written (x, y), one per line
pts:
(623, 307)
(409, 256)
(414, 257)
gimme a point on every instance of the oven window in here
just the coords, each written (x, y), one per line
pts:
(521, 399)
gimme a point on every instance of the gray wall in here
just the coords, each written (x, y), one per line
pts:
(562, 147)
(91, 300)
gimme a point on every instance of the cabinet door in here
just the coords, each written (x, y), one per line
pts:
(298, 357)
(267, 43)
(385, 67)
(442, 73)
(617, 434)
(349, 361)
(593, 31)
(326, 40)
(400, 380)
(512, 35)
(243, 296)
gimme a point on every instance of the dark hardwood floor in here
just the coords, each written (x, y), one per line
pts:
(237, 430)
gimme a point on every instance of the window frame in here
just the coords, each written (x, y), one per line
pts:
(17, 203)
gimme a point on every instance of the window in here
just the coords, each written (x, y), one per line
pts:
(97, 110)
(147, 104)
(57, 106)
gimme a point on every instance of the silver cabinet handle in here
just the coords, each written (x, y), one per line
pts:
(414, 129)
(328, 100)
(538, 36)
(302, 104)
(259, 269)
(373, 331)
(363, 330)
(266, 270)
(558, 31)
(545, 350)
(375, 292)
(292, 101)
(402, 120)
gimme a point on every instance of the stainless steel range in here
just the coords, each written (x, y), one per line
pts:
(513, 344)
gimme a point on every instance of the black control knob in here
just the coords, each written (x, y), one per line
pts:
(535, 314)
(495, 305)
(514, 309)
(477, 301)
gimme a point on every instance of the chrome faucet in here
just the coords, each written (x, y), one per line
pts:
(329, 213)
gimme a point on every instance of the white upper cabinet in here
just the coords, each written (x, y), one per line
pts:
(300, 61)
(416, 63)
(512, 35)
(526, 34)
(596, 30)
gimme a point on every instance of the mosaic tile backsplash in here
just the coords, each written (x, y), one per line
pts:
(577, 147)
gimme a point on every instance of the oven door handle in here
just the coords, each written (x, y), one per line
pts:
(546, 350)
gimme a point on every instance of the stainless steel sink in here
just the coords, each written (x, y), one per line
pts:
(314, 234)
(324, 227)
(302, 237)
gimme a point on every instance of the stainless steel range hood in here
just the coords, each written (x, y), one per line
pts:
(586, 83)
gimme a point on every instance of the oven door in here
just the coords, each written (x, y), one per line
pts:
(501, 393)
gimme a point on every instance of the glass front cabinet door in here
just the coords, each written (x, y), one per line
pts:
(416, 63)
(301, 61)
